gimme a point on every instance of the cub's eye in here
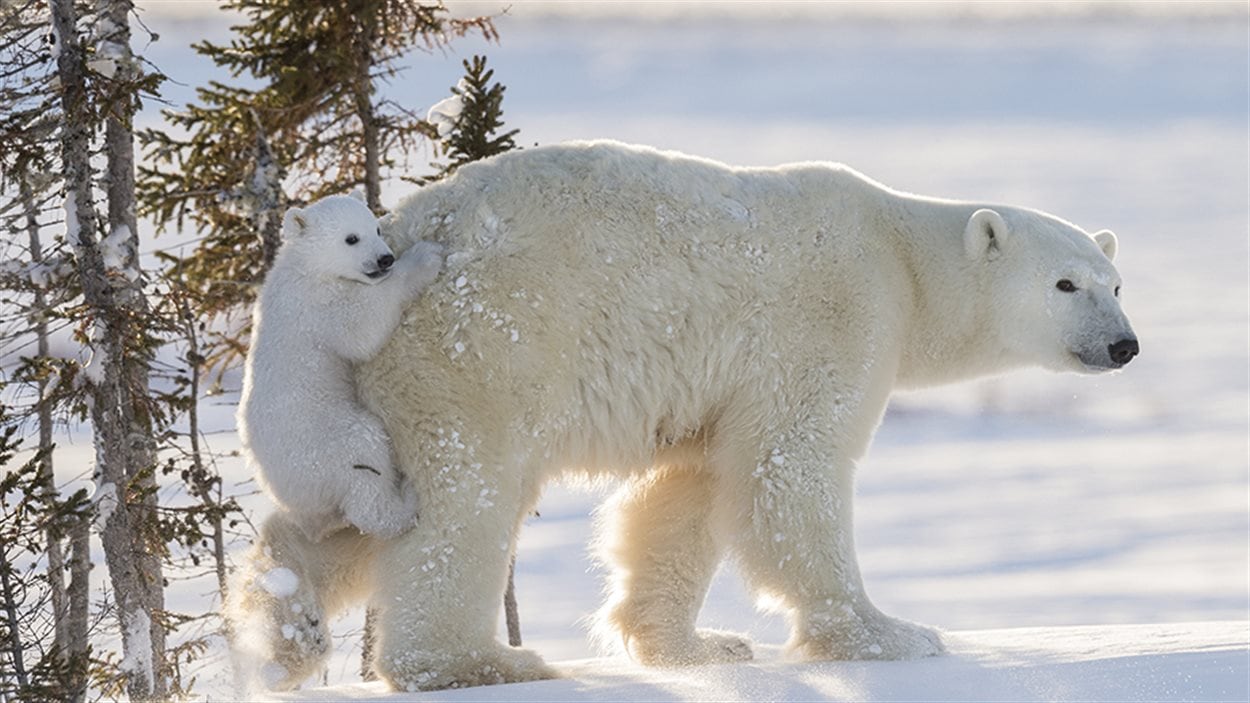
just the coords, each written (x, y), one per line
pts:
(352, 239)
(1066, 286)
(1117, 291)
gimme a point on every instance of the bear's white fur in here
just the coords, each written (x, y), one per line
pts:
(331, 300)
(724, 341)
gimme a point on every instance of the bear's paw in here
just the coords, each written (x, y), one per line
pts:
(868, 634)
(706, 647)
(426, 671)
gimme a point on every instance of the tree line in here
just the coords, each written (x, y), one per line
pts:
(91, 336)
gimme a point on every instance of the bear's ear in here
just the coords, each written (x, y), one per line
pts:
(294, 223)
(358, 193)
(985, 234)
(1108, 243)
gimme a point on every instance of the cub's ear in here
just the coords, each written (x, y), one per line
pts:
(985, 234)
(358, 193)
(294, 223)
(1108, 243)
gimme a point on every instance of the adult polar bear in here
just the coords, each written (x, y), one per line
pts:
(725, 340)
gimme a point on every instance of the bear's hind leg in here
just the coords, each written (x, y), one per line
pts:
(658, 542)
(790, 516)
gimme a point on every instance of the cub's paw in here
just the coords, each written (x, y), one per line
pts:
(866, 634)
(705, 647)
(421, 264)
(428, 671)
(377, 505)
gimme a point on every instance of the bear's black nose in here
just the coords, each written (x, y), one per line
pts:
(1123, 351)
(385, 261)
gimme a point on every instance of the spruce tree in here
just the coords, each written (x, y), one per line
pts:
(316, 125)
(468, 125)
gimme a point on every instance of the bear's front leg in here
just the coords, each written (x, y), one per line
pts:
(440, 586)
(793, 533)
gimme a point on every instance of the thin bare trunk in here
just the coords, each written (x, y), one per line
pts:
(56, 556)
(509, 607)
(363, 90)
(268, 200)
(370, 643)
(204, 485)
(125, 457)
(9, 597)
(78, 594)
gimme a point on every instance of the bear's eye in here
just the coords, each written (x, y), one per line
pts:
(1066, 286)
(1117, 291)
(352, 239)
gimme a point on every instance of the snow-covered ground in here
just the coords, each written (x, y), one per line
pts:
(1188, 662)
(1030, 501)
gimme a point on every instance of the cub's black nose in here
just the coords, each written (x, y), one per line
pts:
(1123, 351)
(385, 261)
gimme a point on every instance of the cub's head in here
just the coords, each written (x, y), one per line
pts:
(1056, 294)
(337, 236)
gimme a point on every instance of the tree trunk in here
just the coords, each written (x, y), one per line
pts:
(363, 92)
(79, 612)
(369, 643)
(69, 606)
(9, 600)
(56, 557)
(205, 485)
(268, 200)
(509, 607)
(125, 458)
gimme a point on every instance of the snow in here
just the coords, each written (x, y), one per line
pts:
(93, 370)
(1175, 662)
(55, 49)
(71, 215)
(115, 250)
(105, 501)
(106, 67)
(280, 582)
(138, 639)
(446, 112)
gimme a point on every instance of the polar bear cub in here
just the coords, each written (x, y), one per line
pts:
(333, 297)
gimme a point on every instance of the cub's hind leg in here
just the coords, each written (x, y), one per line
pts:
(287, 589)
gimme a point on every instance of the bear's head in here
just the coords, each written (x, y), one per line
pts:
(1055, 293)
(337, 237)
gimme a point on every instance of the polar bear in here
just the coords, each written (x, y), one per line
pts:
(724, 342)
(332, 298)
